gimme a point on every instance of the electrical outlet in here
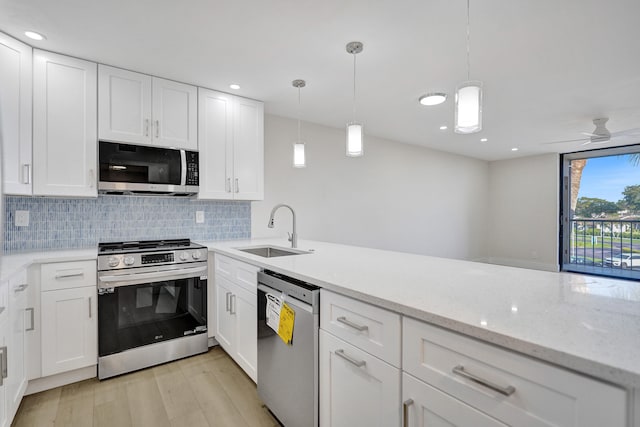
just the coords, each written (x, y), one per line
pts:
(199, 217)
(21, 218)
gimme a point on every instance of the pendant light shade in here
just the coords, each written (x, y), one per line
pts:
(468, 109)
(299, 157)
(355, 134)
(355, 145)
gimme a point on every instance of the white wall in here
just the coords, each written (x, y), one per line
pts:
(523, 212)
(397, 197)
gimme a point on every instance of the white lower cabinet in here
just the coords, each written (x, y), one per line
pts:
(506, 386)
(236, 317)
(426, 406)
(16, 381)
(356, 388)
(4, 329)
(69, 329)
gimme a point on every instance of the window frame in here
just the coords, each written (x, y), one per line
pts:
(564, 253)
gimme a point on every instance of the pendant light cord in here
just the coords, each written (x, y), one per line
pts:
(354, 87)
(468, 49)
(299, 115)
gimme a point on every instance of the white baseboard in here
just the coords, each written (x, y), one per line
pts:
(510, 262)
(53, 381)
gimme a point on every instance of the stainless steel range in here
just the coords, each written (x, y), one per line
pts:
(152, 303)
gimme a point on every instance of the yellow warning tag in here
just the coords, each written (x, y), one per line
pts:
(287, 319)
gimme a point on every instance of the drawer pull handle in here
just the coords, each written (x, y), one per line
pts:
(69, 273)
(358, 363)
(507, 391)
(349, 323)
(227, 301)
(405, 412)
(21, 288)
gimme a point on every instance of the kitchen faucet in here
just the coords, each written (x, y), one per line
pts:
(293, 237)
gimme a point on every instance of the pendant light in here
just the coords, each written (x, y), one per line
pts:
(299, 159)
(355, 133)
(468, 108)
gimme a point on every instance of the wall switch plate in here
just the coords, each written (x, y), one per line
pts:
(199, 217)
(21, 218)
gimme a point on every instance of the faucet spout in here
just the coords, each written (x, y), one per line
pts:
(293, 238)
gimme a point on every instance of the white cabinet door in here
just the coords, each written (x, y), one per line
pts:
(32, 323)
(215, 134)
(64, 126)
(16, 381)
(124, 107)
(356, 388)
(175, 114)
(231, 142)
(243, 307)
(429, 407)
(248, 149)
(69, 329)
(15, 114)
(4, 343)
(225, 321)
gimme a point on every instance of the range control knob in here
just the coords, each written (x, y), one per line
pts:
(113, 261)
(184, 256)
(129, 260)
(196, 254)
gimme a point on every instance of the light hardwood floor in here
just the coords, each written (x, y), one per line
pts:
(204, 390)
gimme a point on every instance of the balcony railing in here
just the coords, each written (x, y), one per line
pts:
(604, 246)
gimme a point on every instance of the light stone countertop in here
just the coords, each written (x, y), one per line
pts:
(587, 324)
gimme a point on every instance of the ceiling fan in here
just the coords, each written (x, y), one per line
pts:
(601, 134)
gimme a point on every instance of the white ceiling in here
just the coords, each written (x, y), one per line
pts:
(548, 66)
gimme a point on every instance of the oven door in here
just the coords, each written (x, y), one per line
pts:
(150, 305)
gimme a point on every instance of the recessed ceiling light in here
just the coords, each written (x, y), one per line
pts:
(234, 86)
(483, 139)
(433, 98)
(443, 127)
(33, 35)
(514, 149)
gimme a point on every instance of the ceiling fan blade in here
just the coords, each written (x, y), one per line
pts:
(628, 132)
(567, 140)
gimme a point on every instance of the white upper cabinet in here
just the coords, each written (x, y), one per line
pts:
(231, 141)
(175, 114)
(124, 105)
(64, 126)
(15, 114)
(140, 109)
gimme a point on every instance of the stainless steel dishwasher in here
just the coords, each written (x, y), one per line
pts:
(288, 373)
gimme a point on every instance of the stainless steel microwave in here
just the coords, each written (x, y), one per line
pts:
(137, 169)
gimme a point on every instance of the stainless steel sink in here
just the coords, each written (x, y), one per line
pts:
(272, 251)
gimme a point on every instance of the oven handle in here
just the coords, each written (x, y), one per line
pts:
(139, 278)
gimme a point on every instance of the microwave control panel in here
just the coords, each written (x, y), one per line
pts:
(192, 168)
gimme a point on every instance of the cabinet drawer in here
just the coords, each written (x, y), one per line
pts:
(243, 274)
(65, 275)
(356, 388)
(542, 395)
(427, 406)
(373, 329)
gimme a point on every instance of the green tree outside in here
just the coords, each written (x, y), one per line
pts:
(588, 207)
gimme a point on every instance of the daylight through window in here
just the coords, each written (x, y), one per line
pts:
(601, 212)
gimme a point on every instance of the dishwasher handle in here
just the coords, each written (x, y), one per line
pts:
(291, 301)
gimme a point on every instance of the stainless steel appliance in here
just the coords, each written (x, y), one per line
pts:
(152, 303)
(288, 374)
(137, 169)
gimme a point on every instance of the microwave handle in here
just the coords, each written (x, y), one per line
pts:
(183, 167)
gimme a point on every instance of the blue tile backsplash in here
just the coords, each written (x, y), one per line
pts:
(81, 223)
